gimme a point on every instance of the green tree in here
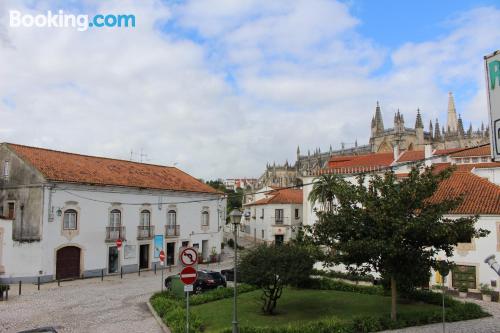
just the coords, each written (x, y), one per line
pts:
(234, 198)
(272, 267)
(390, 226)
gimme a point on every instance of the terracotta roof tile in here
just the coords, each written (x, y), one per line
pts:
(284, 196)
(479, 151)
(480, 195)
(355, 161)
(74, 168)
(411, 155)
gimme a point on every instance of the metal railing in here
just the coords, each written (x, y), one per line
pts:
(172, 230)
(145, 231)
(114, 233)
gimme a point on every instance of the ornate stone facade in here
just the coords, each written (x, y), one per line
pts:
(414, 138)
(382, 140)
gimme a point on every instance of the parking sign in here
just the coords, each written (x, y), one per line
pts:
(492, 69)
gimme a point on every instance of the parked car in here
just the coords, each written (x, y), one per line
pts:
(229, 274)
(206, 280)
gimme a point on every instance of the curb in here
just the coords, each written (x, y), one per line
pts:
(160, 322)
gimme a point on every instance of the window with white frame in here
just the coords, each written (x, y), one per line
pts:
(70, 219)
(278, 216)
(172, 217)
(204, 218)
(6, 169)
(145, 218)
(115, 218)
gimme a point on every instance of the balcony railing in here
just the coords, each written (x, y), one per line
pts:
(145, 231)
(278, 220)
(172, 230)
(114, 233)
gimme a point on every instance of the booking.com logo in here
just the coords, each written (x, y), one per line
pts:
(62, 20)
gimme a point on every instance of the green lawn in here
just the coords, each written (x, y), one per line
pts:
(298, 306)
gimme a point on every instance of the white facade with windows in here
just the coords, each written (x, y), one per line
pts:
(76, 227)
(275, 218)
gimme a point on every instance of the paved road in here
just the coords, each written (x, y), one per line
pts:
(114, 305)
(486, 325)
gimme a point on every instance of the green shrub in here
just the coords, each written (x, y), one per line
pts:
(173, 313)
(329, 284)
(217, 294)
(4, 287)
(344, 275)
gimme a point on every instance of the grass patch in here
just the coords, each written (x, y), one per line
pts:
(298, 306)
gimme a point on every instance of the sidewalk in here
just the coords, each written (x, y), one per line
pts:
(90, 305)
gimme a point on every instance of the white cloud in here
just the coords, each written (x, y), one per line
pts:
(301, 74)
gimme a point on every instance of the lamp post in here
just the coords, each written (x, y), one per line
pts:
(235, 217)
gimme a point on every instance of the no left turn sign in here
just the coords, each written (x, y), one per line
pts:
(189, 256)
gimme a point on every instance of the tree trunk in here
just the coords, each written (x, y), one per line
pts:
(394, 297)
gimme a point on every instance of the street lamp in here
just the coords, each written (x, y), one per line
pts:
(235, 217)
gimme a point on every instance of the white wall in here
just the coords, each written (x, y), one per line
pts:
(27, 259)
(268, 224)
(492, 174)
(482, 248)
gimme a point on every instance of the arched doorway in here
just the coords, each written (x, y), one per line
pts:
(68, 262)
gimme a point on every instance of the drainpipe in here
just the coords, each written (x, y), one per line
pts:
(22, 219)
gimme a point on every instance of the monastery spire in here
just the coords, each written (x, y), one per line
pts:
(418, 122)
(452, 123)
(379, 123)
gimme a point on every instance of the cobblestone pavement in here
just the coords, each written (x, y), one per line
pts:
(485, 325)
(92, 305)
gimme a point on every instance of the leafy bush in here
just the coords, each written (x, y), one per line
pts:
(4, 287)
(486, 289)
(329, 284)
(344, 275)
(362, 324)
(172, 310)
(173, 313)
(218, 294)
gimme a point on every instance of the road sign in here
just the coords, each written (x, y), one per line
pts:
(189, 256)
(188, 287)
(492, 68)
(119, 243)
(188, 275)
(162, 256)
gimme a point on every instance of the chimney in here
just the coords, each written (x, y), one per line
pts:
(428, 155)
(396, 152)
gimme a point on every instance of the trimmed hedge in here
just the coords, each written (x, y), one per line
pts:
(455, 311)
(173, 312)
(217, 294)
(344, 275)
(329, 284)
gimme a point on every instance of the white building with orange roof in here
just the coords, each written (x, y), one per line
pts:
(476, 178)
(275, 216)
(63, 213)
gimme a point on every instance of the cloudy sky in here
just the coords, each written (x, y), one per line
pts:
(220, 87)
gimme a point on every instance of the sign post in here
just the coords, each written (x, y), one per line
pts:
(492, 68)
(189, 258)
(162, 261)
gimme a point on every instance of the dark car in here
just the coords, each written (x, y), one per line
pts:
(209, 280)
(206, 280)
(229, 274)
